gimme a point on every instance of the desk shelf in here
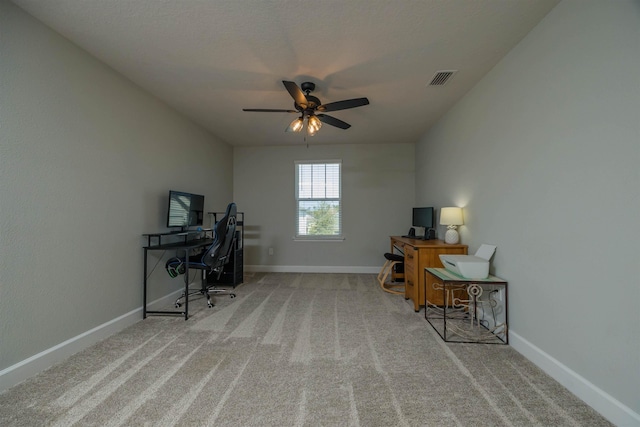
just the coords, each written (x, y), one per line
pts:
(177, 238)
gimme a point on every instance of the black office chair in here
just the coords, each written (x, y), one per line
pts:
(212, 260)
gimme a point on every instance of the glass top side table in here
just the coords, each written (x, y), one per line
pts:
(466, 310)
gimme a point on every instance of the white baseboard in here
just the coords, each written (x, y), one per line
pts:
(37, 363)
(605, 404)
(311, 269)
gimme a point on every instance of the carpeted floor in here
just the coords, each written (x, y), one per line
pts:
(294, 350)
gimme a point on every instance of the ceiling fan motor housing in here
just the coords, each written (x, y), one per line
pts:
(308, 87)
(312, 101)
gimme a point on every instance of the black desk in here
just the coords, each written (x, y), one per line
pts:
(184, 245)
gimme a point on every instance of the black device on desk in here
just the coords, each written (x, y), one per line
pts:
(411, 234)
(425, 218)
(429, 234)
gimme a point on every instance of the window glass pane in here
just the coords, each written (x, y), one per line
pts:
(318, 218)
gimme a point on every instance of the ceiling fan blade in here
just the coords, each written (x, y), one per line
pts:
(343, 105)
(296, 93)
(267, 110)
(333, 121)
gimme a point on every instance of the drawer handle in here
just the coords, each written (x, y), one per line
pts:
(410, 256)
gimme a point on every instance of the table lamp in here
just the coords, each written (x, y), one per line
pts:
(451, 217)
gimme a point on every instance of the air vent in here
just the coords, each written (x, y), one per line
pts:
(440, 78)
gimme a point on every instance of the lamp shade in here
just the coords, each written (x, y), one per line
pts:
(451, 216)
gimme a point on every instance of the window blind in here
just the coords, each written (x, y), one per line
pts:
(318, 199)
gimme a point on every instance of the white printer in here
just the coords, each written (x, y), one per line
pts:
(470, 266)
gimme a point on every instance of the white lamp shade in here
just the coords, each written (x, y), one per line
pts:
(451, 216)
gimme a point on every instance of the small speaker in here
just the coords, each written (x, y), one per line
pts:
(430, 234)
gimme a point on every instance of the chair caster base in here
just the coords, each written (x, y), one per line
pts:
(210, 304)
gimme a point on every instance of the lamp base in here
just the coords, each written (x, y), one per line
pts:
(451, 236)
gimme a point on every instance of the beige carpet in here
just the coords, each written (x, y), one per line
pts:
(294, 350)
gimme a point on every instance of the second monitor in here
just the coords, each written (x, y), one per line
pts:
(185, 209)
(425, 219)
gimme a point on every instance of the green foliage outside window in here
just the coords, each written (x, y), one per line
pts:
(324, 219)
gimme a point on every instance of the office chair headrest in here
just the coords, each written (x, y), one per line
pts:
(231, 211)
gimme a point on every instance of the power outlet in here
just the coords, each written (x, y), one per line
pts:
(270, 251)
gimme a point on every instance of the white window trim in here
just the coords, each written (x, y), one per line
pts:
(310, 238)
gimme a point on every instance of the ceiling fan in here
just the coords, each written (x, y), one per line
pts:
(310, 107)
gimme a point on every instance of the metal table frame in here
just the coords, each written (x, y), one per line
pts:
(185, 245)
(455, 308)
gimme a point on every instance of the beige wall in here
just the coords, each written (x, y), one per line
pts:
(86, 163)
(377, 190)
(543, 155)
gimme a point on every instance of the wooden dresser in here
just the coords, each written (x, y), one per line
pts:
(418, 255)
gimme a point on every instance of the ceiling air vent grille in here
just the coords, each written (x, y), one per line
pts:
(440, 78)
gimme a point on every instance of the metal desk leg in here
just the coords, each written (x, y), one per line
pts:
(445, 298)
(144, 296)
(186, 285)
(506, 315)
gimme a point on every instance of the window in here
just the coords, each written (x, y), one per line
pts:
(318, 205)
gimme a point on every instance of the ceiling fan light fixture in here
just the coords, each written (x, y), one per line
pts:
(315, 123)
(296, 125)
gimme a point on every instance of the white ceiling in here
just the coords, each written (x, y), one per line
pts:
(209, 59)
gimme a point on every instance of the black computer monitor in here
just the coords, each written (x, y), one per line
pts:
(184, 209)
(425, 218)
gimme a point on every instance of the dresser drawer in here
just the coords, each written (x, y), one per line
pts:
(418, 255)
(411, 280)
